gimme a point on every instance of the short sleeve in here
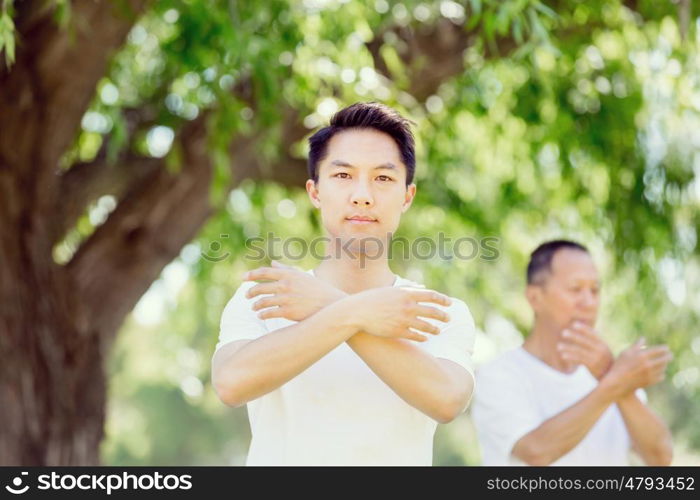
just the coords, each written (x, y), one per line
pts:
(456, 338)
(503, 412)
(239, 321)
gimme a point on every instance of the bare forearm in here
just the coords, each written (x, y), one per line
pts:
(650, 436)
(265, 364)
(561, 433)
(423, 381)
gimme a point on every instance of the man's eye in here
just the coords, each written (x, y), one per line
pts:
(384, 178)
(342, 175)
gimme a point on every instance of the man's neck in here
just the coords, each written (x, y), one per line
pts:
(542, 343)
(354, 274)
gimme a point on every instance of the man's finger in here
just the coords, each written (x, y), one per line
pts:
(277, 264)
(579, 339)
(569, 346)
(657, 351)
(658, 376)
(424, 326)
(263, 289)
(584, 329)
(264, 273)
(275, 312)
(571, 352)
(266, 302)
(431, 296)
(663, 359)
(432, 312)
(410, 335)
(640, 344)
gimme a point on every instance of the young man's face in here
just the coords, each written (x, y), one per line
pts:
(361, 189)
(570, 292)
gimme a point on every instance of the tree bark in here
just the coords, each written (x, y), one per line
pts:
(52, 382)
(52, 378)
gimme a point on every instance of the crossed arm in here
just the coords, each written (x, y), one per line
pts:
(374, 323)
(635, 367)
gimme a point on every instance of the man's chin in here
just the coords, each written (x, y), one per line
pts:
(359, 244)
(366, 244)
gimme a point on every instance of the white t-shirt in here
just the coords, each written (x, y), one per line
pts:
(338, 411)
(517, 391)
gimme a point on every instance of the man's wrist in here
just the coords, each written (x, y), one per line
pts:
(336, 295)
(345, 308)
(602, 371)
(610, 388)
(627, 397)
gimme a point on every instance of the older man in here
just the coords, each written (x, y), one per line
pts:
(561, 398)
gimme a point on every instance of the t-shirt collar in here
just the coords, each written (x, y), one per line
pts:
(397, 278)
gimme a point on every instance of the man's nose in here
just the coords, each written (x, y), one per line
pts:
(362, 196)
(589, 299)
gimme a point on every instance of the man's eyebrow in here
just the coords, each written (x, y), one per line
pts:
(385, 166)
(577, 281)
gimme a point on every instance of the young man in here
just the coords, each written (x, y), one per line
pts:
(347, 364)
(561, 398)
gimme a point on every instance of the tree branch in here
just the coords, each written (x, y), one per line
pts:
(50, 86)
(86, 182)
(431, 53)
(120, 260)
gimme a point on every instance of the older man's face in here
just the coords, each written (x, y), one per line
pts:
(571, 291)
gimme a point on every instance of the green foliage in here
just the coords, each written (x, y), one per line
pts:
(7, 32)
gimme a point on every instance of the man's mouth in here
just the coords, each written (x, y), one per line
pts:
(360, 219)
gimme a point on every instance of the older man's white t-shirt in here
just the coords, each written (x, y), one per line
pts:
(517, 392)
(338, 411)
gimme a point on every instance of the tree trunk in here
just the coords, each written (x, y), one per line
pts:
(52, 382)
(52, 379)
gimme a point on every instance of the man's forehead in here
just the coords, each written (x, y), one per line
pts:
(573, 263)
(363, 147)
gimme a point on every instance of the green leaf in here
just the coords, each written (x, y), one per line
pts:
(476, 6)
(9, 47)
(517, 30)
(63, 13)
(545, 10)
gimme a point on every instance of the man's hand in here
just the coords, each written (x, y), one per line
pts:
(581, 344)
(393, 312)
(295, 294)
(637, 366)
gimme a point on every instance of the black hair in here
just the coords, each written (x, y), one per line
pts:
(541, 258)
(365, 115)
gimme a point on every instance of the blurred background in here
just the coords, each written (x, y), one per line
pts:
(142, 143)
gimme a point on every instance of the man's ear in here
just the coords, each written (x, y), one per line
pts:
(408, 200)
(533, 293)
(312, 190)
